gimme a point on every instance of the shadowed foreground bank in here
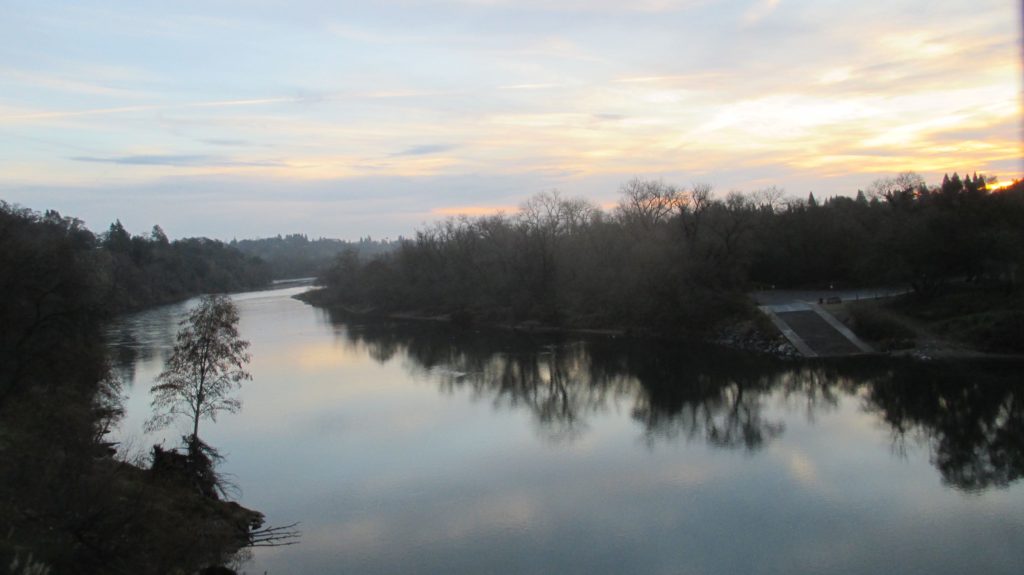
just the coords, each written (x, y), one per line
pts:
(68, 504)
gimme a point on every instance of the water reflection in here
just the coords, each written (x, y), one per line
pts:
(143, 337)
(696, 392)
(969, 415)
(554, 379)
(410, 447)
(972, 418)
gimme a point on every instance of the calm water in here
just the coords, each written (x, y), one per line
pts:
(418, 449)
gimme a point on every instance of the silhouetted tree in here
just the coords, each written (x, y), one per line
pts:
(207, 364)
(645, 203)
(674, 260)
(64, 500)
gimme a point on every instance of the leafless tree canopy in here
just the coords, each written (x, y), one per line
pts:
(647, 202)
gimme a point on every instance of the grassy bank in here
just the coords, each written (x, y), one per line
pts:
(961, 319)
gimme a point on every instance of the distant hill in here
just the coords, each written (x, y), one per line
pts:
(295, 255)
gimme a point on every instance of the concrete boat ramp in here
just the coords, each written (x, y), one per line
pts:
(809, 327)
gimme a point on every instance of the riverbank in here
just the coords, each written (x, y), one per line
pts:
(68, 504)
(420, 428)
(963, 322)
(754, 333)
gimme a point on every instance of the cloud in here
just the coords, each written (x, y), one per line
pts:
(61, 83)
(176, 160)
(424, 150)
(675, 79)
(760, 10)
(528, 86)
(58, 114)
(225, 142)
(473, 211)
(524, 94)
(600, 6)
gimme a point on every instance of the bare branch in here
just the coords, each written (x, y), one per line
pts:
(275, 536)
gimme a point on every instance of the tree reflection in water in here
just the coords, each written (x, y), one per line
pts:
(969, 415)
(143, 336)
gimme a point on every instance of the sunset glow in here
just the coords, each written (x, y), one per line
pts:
(218, 116)
(996, 186)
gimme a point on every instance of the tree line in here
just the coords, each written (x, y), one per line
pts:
(150, 270)
(297, 256)
(678, 260)
(901, 232)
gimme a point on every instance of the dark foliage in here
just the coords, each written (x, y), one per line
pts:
(989, 316)
(65, 503)
(678, 261)
(563, 262)
(193, 469)
(972, 416)
(144, 271)
(907, 234)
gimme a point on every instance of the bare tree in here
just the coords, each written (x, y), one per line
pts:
(900, 188)
(692, 206)
(207, 364)
(550, 213)
(647, 202)
(768, 199)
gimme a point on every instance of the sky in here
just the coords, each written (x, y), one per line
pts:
(232, 119)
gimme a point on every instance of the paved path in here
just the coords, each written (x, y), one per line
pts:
(782, 297)
(809, 327)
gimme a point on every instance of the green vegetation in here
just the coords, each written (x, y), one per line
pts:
(678, 261)
(67, 503)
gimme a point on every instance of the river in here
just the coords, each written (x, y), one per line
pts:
(417, 448)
